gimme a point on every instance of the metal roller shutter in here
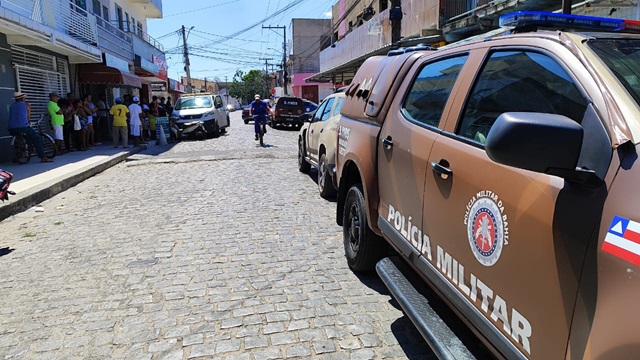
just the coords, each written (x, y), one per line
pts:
(37, 75)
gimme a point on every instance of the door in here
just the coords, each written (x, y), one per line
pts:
(220, 111)
(411, 127)
(317, 127)
(491, 226)
(310, 92)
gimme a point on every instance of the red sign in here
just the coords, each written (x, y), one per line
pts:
(272, 91)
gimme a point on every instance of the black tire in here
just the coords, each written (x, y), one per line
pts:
(362, 247)
(325, 183)
(21, 150)
(303, 165)
(216, 130)
(246, 122)
(200, 135)
(48, 145)
(261, 136)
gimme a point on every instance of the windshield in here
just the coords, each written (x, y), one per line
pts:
(622, 56)
(193, 103)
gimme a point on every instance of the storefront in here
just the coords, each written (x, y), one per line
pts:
(111, 79)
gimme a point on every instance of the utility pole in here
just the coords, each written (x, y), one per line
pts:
(266, 69)
(205, 84)
(226, 83)
(186, 59)
(284, 54)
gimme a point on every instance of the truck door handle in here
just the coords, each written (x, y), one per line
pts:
(442, 169)
(387, 142)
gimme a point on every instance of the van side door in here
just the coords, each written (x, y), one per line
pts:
(220, 111)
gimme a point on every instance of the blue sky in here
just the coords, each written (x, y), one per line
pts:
(227, 35)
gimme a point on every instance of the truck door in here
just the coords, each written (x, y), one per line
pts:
(492, 226)
(407, 135)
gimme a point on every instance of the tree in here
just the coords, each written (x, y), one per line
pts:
(245, 86)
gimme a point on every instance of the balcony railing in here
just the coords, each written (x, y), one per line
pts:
(61, 15)
(134, 31)
(114, 39)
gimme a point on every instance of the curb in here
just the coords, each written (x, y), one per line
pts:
(25, 200)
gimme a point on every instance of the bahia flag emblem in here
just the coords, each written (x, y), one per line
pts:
(623, 240)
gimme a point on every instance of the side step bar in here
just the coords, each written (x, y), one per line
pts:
(443, 341)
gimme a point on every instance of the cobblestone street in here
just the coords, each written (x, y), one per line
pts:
(216, 249)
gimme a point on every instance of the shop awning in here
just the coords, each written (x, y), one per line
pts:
(101, 74)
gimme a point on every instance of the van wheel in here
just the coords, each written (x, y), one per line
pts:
(216, 130)
(325, 185)
(303, 165)
(362, 247)
(246, 122)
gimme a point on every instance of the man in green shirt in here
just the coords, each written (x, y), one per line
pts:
(57, 120)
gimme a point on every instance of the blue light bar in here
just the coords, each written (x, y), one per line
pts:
(565, 21)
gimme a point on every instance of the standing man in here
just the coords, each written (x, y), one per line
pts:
(260, 109)
(19, 114)
(57, 120)
(135, 120)
(102, 126)
(119, 113)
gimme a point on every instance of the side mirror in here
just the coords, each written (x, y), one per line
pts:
(544, 143)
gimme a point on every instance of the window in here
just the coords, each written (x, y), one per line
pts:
(519, 81)
(119, 17)
(338, 107)
(431, 89)
(96, 8)
(217, 102)
(319, 111)
(132, 27)
(140, 29)
(326, 114)
(126, 21)
(105, 13)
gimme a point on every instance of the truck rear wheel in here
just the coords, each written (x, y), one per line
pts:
(362, 247)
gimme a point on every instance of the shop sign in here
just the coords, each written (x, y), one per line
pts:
(162, 67)
(116, 62)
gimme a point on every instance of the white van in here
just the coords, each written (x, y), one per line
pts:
(206, 107)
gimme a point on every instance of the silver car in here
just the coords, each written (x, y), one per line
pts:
(317, 143)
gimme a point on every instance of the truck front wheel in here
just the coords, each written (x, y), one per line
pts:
(362, 247)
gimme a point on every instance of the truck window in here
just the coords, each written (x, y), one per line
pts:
(430, 90)
(336, 110)
(519, 81)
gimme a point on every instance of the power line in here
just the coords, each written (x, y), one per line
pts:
(204, 8)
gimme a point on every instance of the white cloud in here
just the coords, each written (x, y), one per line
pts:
(327, 14)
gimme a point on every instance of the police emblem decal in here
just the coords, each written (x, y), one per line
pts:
(486, 227)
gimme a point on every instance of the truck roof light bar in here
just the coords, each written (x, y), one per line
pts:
(528, 19)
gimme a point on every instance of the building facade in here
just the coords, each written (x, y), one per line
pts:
(307, 38)
(361, 29)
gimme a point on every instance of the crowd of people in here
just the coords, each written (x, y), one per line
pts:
(79, 124)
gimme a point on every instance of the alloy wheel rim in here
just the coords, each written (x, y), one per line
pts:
(354, 228)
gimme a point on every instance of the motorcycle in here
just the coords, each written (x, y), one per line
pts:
(5, 180)
(193, 129)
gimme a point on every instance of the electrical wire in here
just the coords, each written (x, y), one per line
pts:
(204, 8)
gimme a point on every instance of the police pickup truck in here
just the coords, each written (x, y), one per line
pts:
(503, 173)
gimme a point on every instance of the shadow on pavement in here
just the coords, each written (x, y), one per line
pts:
(6, 251)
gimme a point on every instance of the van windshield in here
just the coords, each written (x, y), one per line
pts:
(193, 103)
(622, 57)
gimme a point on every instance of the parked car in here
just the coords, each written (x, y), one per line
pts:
(309, 106)
(503, 172)
(205, 107)
(245, 114)
(288, 110)
(317, 143)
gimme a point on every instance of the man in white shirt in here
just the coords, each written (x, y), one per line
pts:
(135, 120)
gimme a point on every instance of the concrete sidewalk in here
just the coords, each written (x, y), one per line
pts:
(35, 182)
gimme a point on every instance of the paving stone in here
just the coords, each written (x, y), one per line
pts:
(225, 284)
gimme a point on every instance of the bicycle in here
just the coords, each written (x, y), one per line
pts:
(23, 149)
(262, 128)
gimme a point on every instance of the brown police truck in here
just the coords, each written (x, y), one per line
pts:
(503, 173)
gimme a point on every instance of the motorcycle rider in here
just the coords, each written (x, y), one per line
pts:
(260, 109)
